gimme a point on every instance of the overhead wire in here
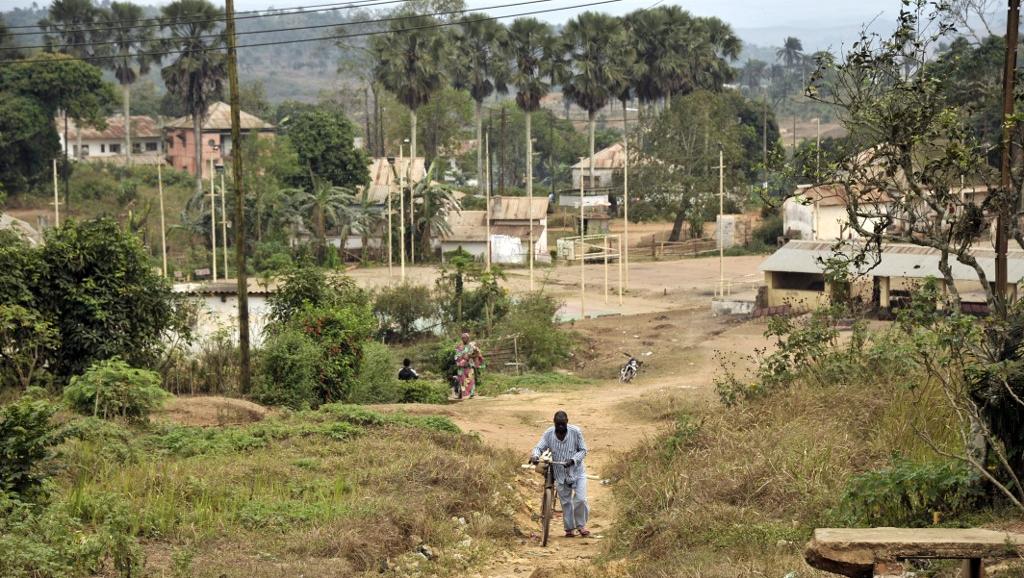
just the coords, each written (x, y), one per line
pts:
(482, 18)
(245, 15)
(288, 29)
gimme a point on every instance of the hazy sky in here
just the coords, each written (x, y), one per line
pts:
(813, 17)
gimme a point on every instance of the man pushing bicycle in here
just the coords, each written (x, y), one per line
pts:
(565, 442)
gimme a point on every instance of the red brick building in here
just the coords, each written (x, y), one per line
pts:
(216, 137)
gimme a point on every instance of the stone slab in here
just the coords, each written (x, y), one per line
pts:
(855, 551)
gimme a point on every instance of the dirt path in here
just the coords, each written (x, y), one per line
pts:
(681, 364)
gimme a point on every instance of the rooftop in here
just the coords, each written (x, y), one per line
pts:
(382, 176)
(142, 127)
(897, 260)
(218, 117)
(518, 208)
(612, 157)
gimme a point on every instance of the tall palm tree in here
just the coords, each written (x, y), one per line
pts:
(69, 25)
(660, 37)
(791, 52)
(528, 38)
(479, 69)
(8, 47)
(411, 63)
(599, 51)
(198, 73)
(131, 45)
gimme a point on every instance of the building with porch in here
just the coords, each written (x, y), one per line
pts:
(795, 274)
(107, 144)
(215, 136)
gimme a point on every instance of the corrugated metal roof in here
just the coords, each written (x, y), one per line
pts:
(467, 226)
(142, 127)
(612, 157)
(897, 260)
(381, 175)
(518, 208)
(218, 117)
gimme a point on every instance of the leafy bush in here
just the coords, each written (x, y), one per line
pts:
(311, 287)
(767, 233)
(401, 306)
(341, 333)
(26, 437)
(908, 494)
(288, 370)
(422, 391)
(45, 543)
(377, 378)
(26, 340)
(112, 388)
(541, 342)
(272, 258)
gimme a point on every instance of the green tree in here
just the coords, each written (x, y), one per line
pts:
(197, 74)
(411, 63)
(8, 46)
(791, 53)
(324, 143)
(527, 39)
(600, 53)
(26, 342)
(27, 437)
(436, 202)
(132, 45)
(479, 69)
(323, 205)
(98, 288)
(70, 27)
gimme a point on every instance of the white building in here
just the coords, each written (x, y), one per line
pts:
(108, 143)
(509, 228)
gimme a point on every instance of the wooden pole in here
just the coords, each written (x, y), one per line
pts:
(224, 223)
(56, 197)
(721, 221)
(213, 222)
(391, 244)
(163, 224)
(244, 375)
(604, 250)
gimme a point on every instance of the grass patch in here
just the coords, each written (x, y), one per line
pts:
(499, 383)
(339, 491)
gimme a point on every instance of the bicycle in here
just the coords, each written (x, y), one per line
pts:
(547, 500)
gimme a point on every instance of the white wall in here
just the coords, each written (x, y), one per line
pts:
(602, 176)
(216, 315)
(798, 218)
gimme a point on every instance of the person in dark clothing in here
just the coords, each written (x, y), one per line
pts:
(407, 373)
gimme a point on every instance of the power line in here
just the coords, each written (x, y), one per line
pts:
(264, 13)
(291, 29)
(324, 38)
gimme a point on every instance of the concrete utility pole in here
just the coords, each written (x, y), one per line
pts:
(224, 221)
(56, 197)
(625, 193)
(529, 190)
(391, 245)
(412, 211)
(504, 128)
(213, 222)
(721, 221)
(401, 212)
(244, 376)
(1006, 209)
(583, 254)
(817, 145)
(163, 224)
(764, 138)
(487, 196)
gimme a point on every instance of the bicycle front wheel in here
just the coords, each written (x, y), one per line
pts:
(547, 510)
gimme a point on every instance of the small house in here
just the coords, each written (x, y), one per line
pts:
(510, 229)
(108, 143)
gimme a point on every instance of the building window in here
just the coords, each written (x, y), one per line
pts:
(85, 150)
(74, 148)
(212, 143)
(115, 149)
(136, 148)
(103, 148)
(151, 147)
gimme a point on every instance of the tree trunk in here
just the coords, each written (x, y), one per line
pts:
(127, 88)
(677, 225)
(197, 134)
(590, 118)
(480, 146)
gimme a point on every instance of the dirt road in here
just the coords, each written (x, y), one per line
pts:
(607, 411)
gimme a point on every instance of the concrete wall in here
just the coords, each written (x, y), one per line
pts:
(219, 313)
(602, 177)
(798, 218)
(731, 229)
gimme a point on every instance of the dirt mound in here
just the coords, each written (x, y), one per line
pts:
(212, 410)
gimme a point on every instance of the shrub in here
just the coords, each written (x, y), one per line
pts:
(768, 232)
(26, 340)
(210, 366)
(541, 343)
(401, 306)
(422, 391)
(26, 437)
(340, 332)
(45, 543)
(377, 379)
(908, 493)
(311, 287)
(288, 368)
(112, 388)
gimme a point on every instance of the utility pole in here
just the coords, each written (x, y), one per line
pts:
(487, 194)
(1006, 208)
(224, 221)
(391, 244)
(213, 221)
(401, 212)
(583, 255)
(529, 189)
(56, 197)
(236, 171)
(163, 224)
(625, 194)
(794, 137)
(721, 221)
(504, 128)
(817, 146)
(764, 138)
(412, 211)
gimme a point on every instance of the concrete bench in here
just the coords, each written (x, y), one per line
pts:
(883, 552)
